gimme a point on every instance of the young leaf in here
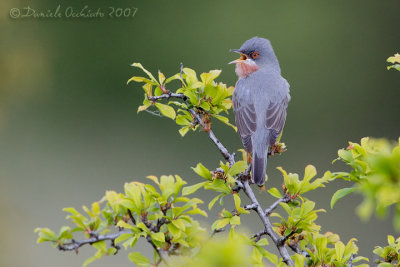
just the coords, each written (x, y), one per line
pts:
(212, 202)
(341, 193)
(237, 168)
(166, 110)
(202, 171)
(139, 259)
(138, 65)
(275, 192)
(191, 189)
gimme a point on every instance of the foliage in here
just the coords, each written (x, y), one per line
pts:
(390, 255)
(395, 60)
(375, 172)
(206, 95)
(165, 216)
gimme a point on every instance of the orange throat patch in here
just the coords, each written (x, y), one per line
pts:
(245, 68)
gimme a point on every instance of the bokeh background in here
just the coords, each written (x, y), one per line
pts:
(69, 128)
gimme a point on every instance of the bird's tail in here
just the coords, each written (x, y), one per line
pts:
(260, 152)
(259, 168)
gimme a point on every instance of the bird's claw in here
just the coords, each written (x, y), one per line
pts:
(277, 148)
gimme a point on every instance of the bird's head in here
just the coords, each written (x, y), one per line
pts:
(255, 53)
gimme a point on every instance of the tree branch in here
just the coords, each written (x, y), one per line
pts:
(159, 251)
(270, 209)
(74, 245)
(267, 224)
(166, 96)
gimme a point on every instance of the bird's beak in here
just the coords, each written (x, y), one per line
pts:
(241, 59)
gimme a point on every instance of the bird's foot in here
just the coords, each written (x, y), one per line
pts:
(277, 148)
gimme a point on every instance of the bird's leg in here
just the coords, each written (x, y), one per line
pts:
(249, 158)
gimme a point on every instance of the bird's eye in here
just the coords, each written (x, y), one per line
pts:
(243, 57)
(254, 55)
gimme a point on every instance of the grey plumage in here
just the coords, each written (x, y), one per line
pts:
(260, 100)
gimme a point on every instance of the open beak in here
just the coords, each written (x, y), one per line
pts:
(242, 58)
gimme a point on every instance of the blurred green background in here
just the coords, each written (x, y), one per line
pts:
(69, 128)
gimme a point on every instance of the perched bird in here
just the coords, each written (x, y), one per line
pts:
(260, 100)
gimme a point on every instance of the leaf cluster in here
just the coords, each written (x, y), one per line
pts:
(375, 171)
(204, 95)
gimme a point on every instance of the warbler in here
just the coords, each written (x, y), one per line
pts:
(260, 100)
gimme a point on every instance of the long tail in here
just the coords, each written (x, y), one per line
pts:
(260, 152)
(259, 168)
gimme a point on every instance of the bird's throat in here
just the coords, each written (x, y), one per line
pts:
(245, 68)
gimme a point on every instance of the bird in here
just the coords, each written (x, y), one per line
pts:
(260, 100)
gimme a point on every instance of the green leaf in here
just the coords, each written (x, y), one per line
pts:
(91, 259)
(299, 260)
(166, 110)
(161, 77)
(160, 237)
(45, 234)
(202, 171)
(138, 65)
(184, 130)
(179, 223)
(139, 259)
(275, 192)
(191, 189)
(235, 220)
(390, 239)
(225, 120)
(123, 237)
(212, 202)
(340, 194)
(339, 249)
(218, 224)
(100, 245)
(139, 79)
(238, 167)
(256, 256)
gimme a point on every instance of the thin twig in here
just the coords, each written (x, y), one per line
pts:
(74, 245)
(350, 262)
(270, 209)
(259, 235)
(131, 216)
(166, 96)
(154, 113)
(159, 251)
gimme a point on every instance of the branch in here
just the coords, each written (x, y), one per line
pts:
(167, 96)
(297, 250)
(159, 252)
(267, 224)
(222, 149)
(270, 209)
(350, 262)
(259, 235)
(74, 245)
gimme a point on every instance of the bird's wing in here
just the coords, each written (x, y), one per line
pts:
(275, 117)
(246, 118)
